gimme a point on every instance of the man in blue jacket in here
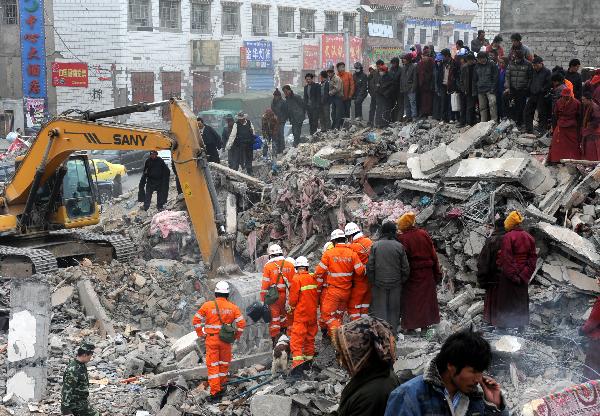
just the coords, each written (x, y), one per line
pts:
(453, 383)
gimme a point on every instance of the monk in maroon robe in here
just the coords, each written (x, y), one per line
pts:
(419, 304)
(488, 271)
(590, 127)
(425, 82)
(518, 259)
(591, 329)
(565, 138)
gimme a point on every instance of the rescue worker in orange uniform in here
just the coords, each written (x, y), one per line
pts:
(304, 301)
(342, 267)
(208, 322)
(360, 297)
(277, 272)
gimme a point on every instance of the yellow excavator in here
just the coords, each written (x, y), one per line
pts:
(51, 195)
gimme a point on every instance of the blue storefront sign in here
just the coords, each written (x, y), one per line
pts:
(33, 49)
(259, 53)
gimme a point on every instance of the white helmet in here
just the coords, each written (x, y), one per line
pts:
(291, 260)
(351, 228)
(337, 234)
(274, 249)
(283, 339)
(301, 262)
(328, 245)
(222, 287)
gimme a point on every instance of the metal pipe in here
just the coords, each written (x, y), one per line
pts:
(219, 217)
(120, 111)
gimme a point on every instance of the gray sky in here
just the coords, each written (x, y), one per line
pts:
(461, 4)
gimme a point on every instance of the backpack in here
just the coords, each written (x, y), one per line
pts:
(227, 331)
(272, 295)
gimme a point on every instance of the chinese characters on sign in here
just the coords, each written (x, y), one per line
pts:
(333, 50)
(383, 53)
(259, 53)
(33, 52)
(310, 55)
(70, 74)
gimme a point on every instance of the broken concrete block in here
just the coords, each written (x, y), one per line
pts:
(413, 164)
(271, 404)
(139, 280)
(450, 191)
(582, 282)
(487, 169)
(475, 309)
(184, 345)
(446, 155)
(90, 302)
(463, 298)
(588, 185)
(62, 295)
(189, 361)
(475, 242)
(571, 243)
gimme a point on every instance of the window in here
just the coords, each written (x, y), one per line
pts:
(436, 37)
(9, 12)
(286, 20)
(171, 88)
(140, 14)
(231, 19)
(381, 17)
(331, 22)
(260, 20)
(350, 23)
(101, 167)
(142, 87)
(200, 17)
(411, 36)
(307, 20)
(456, 36)
(466, 38)
(423, 36)
(169, 14)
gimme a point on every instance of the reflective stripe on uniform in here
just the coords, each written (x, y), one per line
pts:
(308, 357)
(197, 315)
(198, 325)
(308, 287)
(239, 318)
(341, 274)
(358, 266)
(355, 315)
(240, 330)
(281, 286)
(321, 265)
(212, 377)
(298, 358)
(213, 326)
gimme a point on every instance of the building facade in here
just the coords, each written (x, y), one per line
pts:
(149, 50)
(488, 17)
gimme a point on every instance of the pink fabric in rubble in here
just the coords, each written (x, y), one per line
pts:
(167, 222)
(374, 212)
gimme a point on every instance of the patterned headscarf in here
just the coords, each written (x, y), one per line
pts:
(357, 341)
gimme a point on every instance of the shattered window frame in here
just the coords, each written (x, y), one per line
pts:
(140, 15)
(285, 21)
(10, 12)
(332, 22)
(260, 20)
(200, 17)
(169, 14)
(230, 16)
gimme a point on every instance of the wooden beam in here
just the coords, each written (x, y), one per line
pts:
(237, 176)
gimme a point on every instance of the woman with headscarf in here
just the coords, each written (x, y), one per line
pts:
(425, 83)
(517, 261)
(419, 303)
(366, 348)
(565, 137)
(590, 127)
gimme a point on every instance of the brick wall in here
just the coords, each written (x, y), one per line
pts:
(488, 17)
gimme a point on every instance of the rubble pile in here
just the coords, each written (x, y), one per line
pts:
(456, 180)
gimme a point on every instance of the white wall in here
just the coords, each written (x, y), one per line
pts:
(488, 17)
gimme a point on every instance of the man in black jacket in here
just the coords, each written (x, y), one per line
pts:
(295, 112)
(372, 80)
(574, 76)
(241, 144)
(467, 91)
(387, 270)
(360, 89)
(325, 109)
(155, 177)
(212, 141)
(397, 103)
(539, 99)
(312, 101)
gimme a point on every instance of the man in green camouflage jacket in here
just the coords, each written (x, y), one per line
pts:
(75, 389)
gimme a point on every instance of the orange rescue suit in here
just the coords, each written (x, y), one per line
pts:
(277, 272)
(207, 324)
(342, 267)
(360, 297)
(304, 300)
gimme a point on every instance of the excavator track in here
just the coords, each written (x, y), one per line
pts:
(43, 261)
(123, 246)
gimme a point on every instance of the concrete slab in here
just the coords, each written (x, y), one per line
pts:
(446, 155)
(271, 404)
(588, 185)
(488, 169)
(449, 191)
(92, 306)
(475, 242)
(62, 295)
(537, 178)
(378, 172)
(571, 243)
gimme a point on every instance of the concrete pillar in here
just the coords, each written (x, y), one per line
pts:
(29, 326)
(231, 214)
(90, 302)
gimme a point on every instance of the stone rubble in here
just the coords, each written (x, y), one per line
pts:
(455, 179)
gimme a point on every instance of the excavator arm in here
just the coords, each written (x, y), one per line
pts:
(65, 135)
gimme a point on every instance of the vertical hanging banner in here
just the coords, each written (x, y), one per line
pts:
(310, 55)
(33, 52)
(334, 51)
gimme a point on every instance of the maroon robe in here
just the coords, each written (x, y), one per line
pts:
(565, 139)
(517, 260)
(419, 305)
(425, 80)
(590, 132)
(489, 274)
(591, 329)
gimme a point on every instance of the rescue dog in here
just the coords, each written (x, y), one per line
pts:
(281, 354)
